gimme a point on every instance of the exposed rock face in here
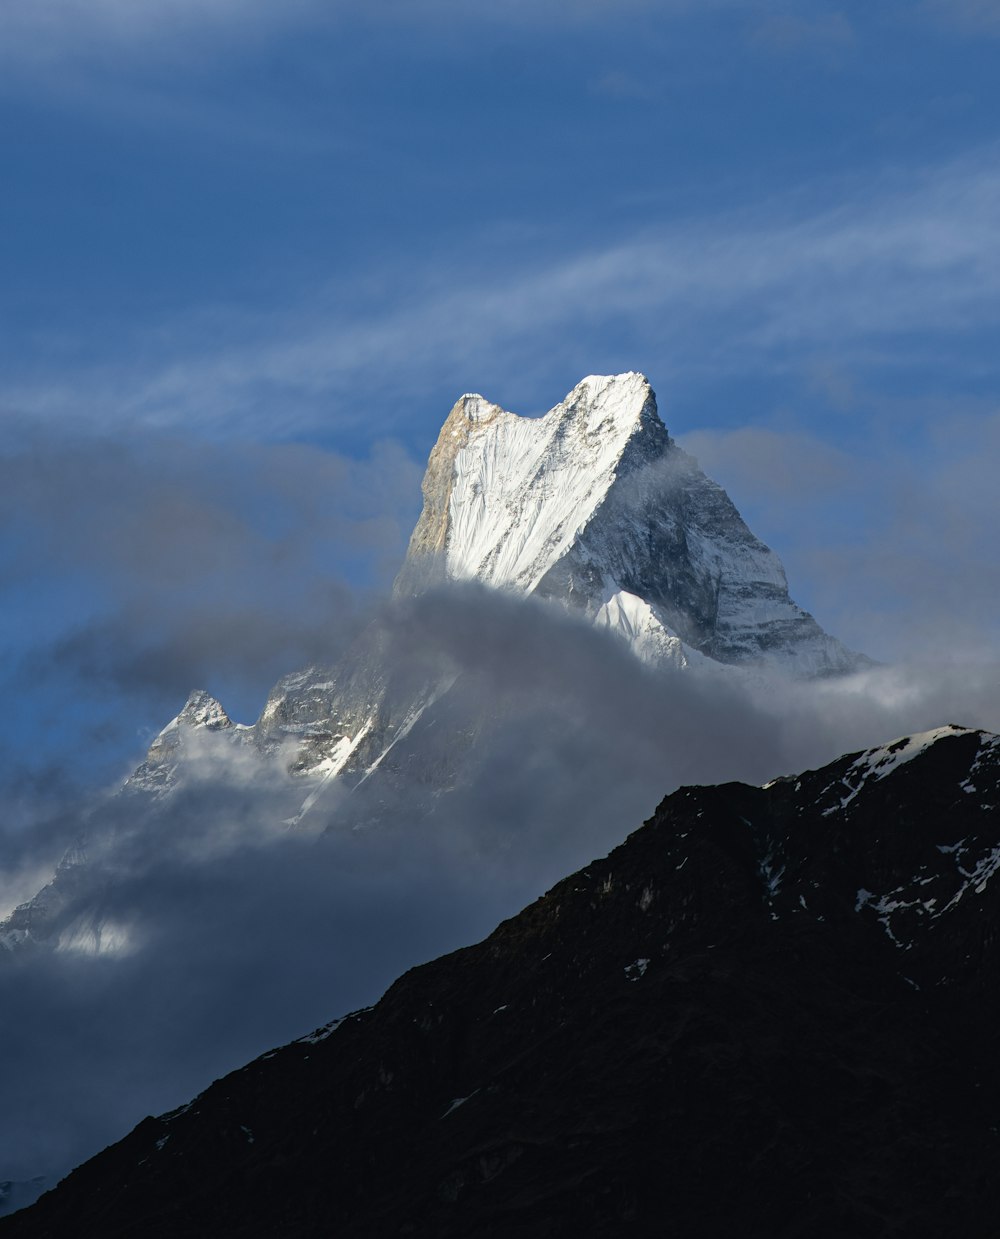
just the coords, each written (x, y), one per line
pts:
(767, 1013)
(158, 773)
(433, 533)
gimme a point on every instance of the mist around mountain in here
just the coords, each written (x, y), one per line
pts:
(210, 928)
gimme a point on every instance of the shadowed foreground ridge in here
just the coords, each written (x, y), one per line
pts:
(769, 1012)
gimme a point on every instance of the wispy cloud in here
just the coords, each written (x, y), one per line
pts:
(48, 30)
(890, 269)
(793, 33)
(39, 33)
(970, 16)
(623, 84)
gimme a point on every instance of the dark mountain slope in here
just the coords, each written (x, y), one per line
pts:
(770, 1012)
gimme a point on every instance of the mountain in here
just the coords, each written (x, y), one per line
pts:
(594, 505)
(593, 508)
(768, 1012)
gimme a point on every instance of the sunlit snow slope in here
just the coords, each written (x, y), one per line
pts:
(595, 505)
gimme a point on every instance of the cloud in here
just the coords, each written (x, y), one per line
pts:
(54, 30)
(968, 16)
(791, 33)
(896, 272)
(137, 568)
(240, 933)
(621, 84)
(43, 34)
(894, 554)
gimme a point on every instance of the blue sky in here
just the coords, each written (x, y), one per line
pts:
(252, 253)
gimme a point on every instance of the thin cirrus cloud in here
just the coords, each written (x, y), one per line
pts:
(45, 31)
(882, 270)
(35, 33)
(56, 29)
(791, 33)
(971, 16)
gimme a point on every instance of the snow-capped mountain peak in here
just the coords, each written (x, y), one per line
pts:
(201, 712)
(592, 506)
(505, 495)
(593, 503)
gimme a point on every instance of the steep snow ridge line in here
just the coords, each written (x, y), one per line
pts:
(879, 763)
(329, 769)
(650, 638)
(407, 725)
(523, 487)
(595, 499)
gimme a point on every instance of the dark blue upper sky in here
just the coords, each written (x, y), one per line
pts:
(244, 245)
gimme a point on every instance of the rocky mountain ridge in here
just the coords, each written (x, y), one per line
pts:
(593, 508)
(767, 1012)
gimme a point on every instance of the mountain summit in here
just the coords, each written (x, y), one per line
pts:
(596, 506)
(505, 496)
